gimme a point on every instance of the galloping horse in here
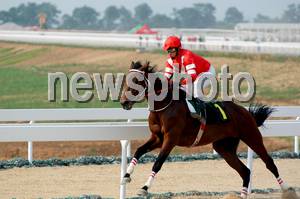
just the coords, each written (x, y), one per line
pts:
(171, 124)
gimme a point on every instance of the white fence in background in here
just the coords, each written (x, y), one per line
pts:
(146, 42)
(33, 125)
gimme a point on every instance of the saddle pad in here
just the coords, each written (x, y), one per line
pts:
(215, 112)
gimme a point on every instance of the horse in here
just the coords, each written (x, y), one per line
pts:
(171, 124)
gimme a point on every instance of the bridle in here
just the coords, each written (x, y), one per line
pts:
(147, 83)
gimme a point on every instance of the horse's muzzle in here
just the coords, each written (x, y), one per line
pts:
(127, 105)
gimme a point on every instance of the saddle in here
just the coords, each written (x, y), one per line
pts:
(211, 112)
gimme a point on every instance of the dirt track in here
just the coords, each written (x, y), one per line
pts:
(213, 175)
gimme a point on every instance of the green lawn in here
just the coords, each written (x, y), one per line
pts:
(27, 87)
(10, 57)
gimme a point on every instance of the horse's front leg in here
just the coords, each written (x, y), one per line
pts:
(163, 154)
(153, 143)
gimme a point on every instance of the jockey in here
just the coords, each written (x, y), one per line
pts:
(186, 62)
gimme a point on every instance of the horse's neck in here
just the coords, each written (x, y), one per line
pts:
(162, 104)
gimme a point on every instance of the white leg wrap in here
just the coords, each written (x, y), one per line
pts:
(131, 166)
(244, 192)
(150, 180)
(282, 184)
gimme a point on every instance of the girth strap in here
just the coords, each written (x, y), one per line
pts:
(200, 132)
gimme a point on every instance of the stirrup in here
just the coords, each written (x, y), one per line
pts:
(197, 109)
(196, 116)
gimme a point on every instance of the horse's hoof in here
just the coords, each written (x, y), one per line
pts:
(290, 193)
(243, 196)
(142, 192)
(126, 180)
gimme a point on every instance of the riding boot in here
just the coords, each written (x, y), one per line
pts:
(199, 107)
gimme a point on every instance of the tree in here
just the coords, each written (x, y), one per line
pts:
(262, 19)
(292, 14)
(4, 17)
(68, 22)
(233, 16)
(187, 18)
(199, 16)
(111, 14)
(143, 12)
(27, 14)
(207, 14)
(51, 13)
(161, 21)
(126, 21)
(85, 17)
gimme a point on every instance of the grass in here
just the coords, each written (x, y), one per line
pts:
(27, 87)
(244, 56)
(75, 67)
(282, 94)
(9, 57)
(18, 81)
(249, 56)
(73, 46)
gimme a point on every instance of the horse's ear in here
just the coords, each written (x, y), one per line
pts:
(146, 66)
(132, 65)
(147, 63)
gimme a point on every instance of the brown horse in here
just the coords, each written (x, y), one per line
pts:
(171, 125)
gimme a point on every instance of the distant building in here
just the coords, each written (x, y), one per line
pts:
(202, 34)
(269, 32)
(11, 26)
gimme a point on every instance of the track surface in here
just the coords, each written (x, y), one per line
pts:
(209, 175)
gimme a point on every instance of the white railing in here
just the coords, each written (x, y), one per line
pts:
(90, 124)
(146, 41)
(45, 125)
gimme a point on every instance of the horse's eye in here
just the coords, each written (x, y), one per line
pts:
(134, 92)
(135, 80)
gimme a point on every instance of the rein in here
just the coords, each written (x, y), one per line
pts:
(147, 83)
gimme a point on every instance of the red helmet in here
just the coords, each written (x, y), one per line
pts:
(172, 42)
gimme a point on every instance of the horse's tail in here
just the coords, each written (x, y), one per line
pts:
(260, 113)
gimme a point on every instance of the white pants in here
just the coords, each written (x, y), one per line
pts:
(197, 92)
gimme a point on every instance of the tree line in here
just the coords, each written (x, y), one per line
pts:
(200, 15)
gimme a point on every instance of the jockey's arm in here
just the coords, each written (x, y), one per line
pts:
(168, 71)
(185, 80)
(190, 68)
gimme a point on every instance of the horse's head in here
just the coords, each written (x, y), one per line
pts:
(138, 76)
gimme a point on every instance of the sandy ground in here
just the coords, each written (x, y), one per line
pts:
(212, 175)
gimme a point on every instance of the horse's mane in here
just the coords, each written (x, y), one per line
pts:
(144, 67)
(138, 65)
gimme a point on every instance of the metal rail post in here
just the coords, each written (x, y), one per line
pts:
(296, 141)
(30, 148)
(124, 144)
(129, 144)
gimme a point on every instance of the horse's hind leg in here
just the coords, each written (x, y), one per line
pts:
(153, 143)
(255, 141)
(227, 149)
